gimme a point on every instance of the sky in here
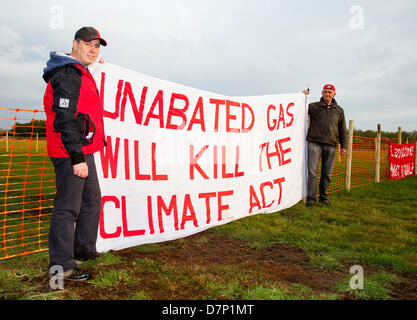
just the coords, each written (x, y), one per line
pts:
(367, 49)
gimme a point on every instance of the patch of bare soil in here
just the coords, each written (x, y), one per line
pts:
(281, 263)
(405, 288)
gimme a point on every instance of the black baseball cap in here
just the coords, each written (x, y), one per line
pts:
(88, 34)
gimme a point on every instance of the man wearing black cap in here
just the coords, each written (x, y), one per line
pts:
(74, 132)
(327, 129)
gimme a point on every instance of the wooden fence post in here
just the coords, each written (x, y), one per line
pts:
(7, 141)
(37, 142)
(378, 154)
(399, 135)
(349, 156)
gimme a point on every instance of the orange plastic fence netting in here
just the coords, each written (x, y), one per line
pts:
(27, 179)
(363, 164)
(27, 183)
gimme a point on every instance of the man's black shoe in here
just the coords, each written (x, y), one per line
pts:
(311, 203)
(325, 202)
(77, 275)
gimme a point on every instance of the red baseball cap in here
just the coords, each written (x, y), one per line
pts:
(329, 87)
(89, 34)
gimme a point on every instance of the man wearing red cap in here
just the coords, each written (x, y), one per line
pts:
(327, 129)
(74, 132)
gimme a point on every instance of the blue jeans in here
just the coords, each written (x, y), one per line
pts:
(326, 153)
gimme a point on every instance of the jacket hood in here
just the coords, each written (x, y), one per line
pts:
(58, 59)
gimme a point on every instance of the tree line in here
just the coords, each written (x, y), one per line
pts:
(410, 135)
(27, 129)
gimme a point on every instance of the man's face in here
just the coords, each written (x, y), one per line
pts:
(328, 95)
(86, 52)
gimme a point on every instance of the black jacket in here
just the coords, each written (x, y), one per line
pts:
(74, 113)
(327, 123)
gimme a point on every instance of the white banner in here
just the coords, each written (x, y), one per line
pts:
(180, 160)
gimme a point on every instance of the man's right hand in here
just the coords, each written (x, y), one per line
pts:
(80, 170)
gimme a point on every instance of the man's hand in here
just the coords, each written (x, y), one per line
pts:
(306, 92)
(101, 60)
(80, 170)
(342, 152)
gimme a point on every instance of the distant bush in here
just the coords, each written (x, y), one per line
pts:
(28, 129)
(385, 134)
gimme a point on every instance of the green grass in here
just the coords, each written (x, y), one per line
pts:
(372, 226)
(112, 278)
(293, 292)
(375, 286)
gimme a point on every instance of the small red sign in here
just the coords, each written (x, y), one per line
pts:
(401, 159)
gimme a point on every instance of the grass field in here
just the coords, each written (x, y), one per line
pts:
(298, 253)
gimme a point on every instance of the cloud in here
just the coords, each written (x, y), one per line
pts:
(21, 71)
(232, 47)
(10, 50)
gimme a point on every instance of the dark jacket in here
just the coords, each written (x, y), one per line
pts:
(327, 123)
(74, 114)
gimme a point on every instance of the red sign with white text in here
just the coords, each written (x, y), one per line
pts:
(401, 159)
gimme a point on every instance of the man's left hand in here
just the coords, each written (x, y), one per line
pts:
(342, 152)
